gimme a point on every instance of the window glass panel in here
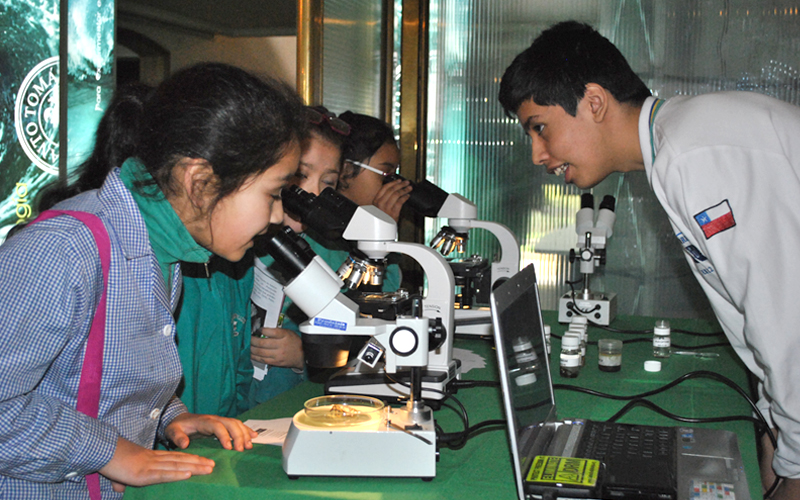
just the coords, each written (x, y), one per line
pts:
(352, 56)
(677, 47)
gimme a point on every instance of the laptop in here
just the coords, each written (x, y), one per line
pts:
(557, 459)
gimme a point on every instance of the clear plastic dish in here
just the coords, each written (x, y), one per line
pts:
(342, 410)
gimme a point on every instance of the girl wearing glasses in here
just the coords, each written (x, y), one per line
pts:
(371, 156)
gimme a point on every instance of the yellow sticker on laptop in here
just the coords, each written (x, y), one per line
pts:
(564, 470)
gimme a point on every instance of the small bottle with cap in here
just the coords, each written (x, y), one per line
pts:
(609, 358)
(579, 321)
(570, 358)
(661, 339)
(527, 362)
(581, 334)
(580, 325)
(547, 337)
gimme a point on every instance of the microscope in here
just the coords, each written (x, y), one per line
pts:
(590, 251)
(429, 200)
(337, 435)
(475, 277)
(375, 236)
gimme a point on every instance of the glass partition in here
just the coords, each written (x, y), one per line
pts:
(351, 55)
(677, 47)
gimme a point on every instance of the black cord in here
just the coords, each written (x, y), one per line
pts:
(702, 374)
(772, 488)
(464, 415)
(759, 422)
(644, 332)
(636, 399)
(636, 341)
(693, 420)
(457, 440)
(574, 304)
(692, 347)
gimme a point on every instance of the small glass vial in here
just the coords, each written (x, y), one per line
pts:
(547, 337)
(581, 334)
(661, 339)
(570, 359)
(580, 322)
(584, 341)
(609, 355)
(527, 362)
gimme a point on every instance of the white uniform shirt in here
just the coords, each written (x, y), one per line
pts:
(726, 168)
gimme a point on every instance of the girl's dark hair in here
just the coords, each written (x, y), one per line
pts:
(240, 124)
(115, 141)
(367, 135)
(559, 64)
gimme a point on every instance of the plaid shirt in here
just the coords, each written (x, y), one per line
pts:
(50, 284)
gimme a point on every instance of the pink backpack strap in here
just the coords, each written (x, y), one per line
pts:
(92, 370)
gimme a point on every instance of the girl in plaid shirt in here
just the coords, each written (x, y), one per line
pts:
(216, 147)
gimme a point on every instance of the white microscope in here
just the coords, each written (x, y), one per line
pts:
(475, 283)
(347, 435)
(375, 235)
(598, 307)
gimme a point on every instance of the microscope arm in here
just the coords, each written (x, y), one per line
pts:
(508, 265)
(462, 215)
(316, 291)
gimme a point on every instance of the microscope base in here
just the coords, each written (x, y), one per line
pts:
(362, 380)
(379, 448)
(603, 308)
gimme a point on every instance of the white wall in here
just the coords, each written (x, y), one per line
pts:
(274, 56)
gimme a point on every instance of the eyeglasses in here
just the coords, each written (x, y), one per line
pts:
(336, 124)
(387, 176)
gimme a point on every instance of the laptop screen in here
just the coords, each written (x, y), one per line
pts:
(522, 362)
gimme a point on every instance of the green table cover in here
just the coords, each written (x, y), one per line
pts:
(482, 468)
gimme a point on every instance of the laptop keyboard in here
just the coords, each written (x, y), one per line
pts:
(602, 440)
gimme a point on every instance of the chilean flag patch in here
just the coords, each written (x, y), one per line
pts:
(715, 219)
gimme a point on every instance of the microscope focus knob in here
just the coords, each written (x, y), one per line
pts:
(403, 341)
(437, 334)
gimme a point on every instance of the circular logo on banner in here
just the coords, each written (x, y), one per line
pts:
(36, 115)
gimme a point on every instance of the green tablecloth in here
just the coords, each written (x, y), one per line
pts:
(482, 468)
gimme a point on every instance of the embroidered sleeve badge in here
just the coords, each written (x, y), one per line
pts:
(714, 220)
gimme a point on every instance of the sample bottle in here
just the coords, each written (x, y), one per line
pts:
(579, 321)
(547, 337)
(661, 339)
(527, 362)
(609, 355)
(581, 334)
(584, 339)
(570, 359)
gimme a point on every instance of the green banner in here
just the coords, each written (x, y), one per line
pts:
(33, 110)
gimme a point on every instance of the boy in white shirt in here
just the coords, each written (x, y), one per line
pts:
(725, 167)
